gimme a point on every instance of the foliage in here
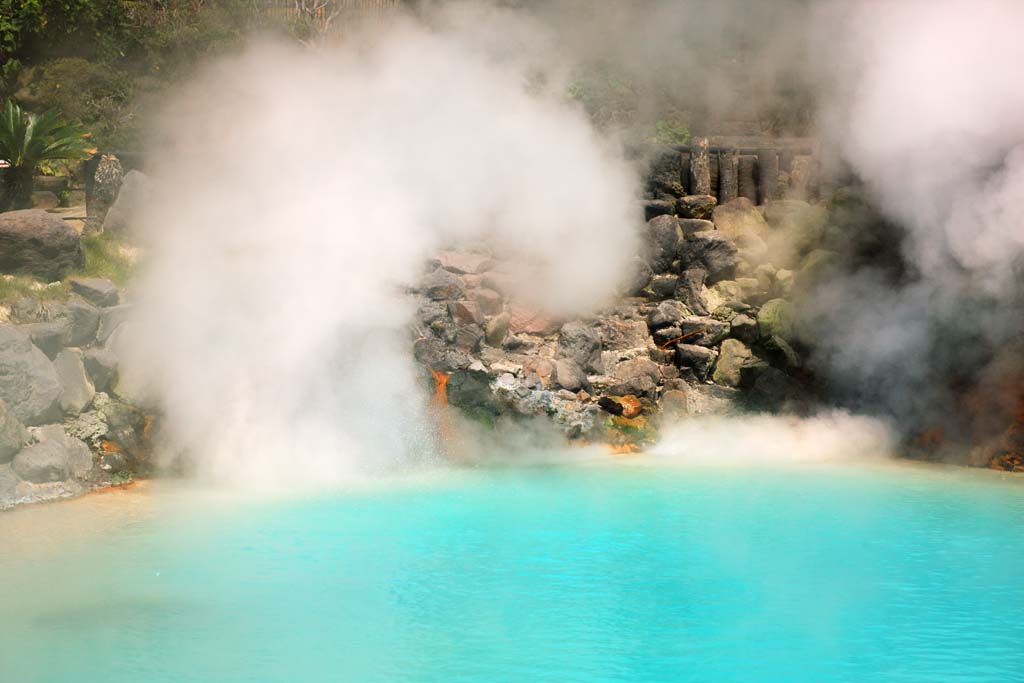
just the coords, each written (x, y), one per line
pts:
(27, 139)
(14, 287)
(608, 97)
(670, 131)
(106, 257)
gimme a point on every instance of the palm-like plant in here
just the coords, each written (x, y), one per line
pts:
(27, 139)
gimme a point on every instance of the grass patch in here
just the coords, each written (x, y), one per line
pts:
(106, 257)
(14, 287)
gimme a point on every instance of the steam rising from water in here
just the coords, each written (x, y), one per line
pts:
(302, 191)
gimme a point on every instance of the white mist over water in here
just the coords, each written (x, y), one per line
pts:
(300, 192)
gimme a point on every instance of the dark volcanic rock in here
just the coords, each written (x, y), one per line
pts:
(700, 206)
(665, 314)
(56, 457)
(48, 336)
(640, 275)
(744, 328)
(691, 226)
(697, 359)
(663, 286)
(101, 366)
(712, 251)
(38, 243)
(440, 284)
(690, 290)
(582, 344)
(13, 435)
(97, 291)
(84, 319)
(28, 380)
(658, 207)
(661, 242)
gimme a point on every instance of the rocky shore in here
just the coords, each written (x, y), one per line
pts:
(704, 326)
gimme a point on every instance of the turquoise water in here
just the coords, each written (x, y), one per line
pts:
(828, 573)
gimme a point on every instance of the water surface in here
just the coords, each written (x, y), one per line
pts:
(600, 573)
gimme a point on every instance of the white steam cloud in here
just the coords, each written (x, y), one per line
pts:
(301, 192)
(928, 109)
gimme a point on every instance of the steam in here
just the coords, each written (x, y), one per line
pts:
(929, 112)
(301, 192)
(836, 436)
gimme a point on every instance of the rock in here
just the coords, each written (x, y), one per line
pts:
(774, 389)
(105, 187)
(525, 320)
(627, 406)
(725, 292)
(661, 240)
(76, 389)
(28, 380)
(463, 262)
(569, 375)
(429, 313)
(639, 376)
(658, 207)
(818, 266)
(436, 355)
(712, 251)
(690, 290)
(739, 217)
(84, 319)
(134, 194)
(665, 314)
(691, 226)
(667, 335)
(471, 391)
(95, 290)
(465, 312)
(48, 336)
(503, 283)
(699, 206)
(663, 286)
(582, 344)
(782, 354)
(100, 366)
(44, 199)
(697, 359)
(110, 318)
(784, 281)
(13, 435)
(665, 175)
(639, 276)
(622, 334)
(776, 318)
(712, 399)
(468, 337)
(440, 284)
(673, 404)
(37, 243)
(744, 328)
(731, 357)
(496, 329)
(703, 331)
(8, 487)
(56, 457)
(489, 301)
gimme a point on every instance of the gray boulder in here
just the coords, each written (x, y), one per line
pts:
(581, 343)
(56, 457)
(100, 366)
(48, 336)
(569, 375)
(441, 284)
(639, 376)
(691, 226)
(712, 251)
(744, 328)
(111, 317)
(697, 359)
(776, 319)
(658, 207)
(661, 241)
(700, 206)
(703, 331)
(663, 286)
(665, 314)
(497, 329)
(639, 276)
(135, 192)
(37, 243)
(98, 291)
(28, 380)
(732, 355)
(690, 290)
(76, 389)
(84, 319)
(13, 435)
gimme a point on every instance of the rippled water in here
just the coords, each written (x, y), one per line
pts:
(827, 573)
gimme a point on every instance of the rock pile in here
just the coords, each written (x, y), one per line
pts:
(706, 327)
(65, 426)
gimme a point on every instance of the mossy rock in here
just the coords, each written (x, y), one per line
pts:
(776, 318)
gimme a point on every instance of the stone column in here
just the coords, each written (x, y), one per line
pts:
(746, 177)
(684, 174)
(728, 178)
(767, 175)
(700, 168)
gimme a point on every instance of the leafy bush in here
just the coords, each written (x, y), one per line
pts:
(26, 139)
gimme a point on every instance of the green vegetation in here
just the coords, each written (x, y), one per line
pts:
(106, 256)
(26, 139)
(14, 287)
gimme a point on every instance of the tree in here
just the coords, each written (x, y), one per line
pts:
(27, 139)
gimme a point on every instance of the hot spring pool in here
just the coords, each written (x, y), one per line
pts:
(616, 573)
